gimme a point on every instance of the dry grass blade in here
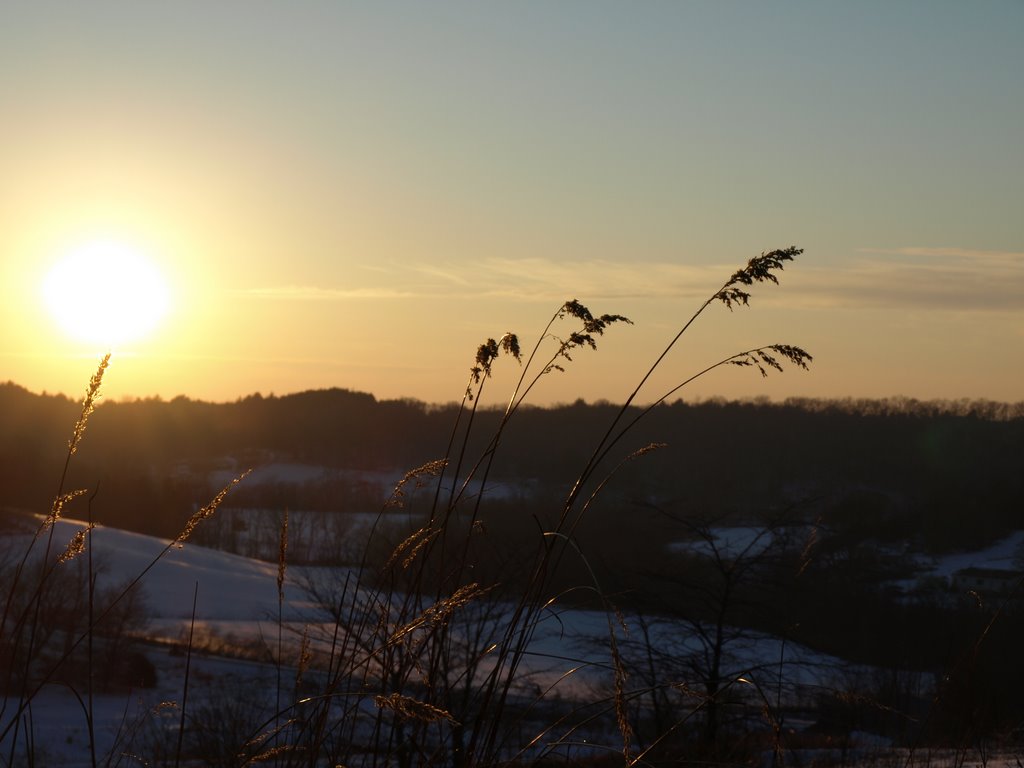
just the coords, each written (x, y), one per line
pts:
(305, 658)
(621, 710)
(282, 556)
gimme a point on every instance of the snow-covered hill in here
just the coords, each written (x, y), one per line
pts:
(237, 598)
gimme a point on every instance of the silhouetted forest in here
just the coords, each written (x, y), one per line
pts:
(947, 473)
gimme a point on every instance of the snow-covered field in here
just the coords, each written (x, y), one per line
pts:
(236, 610)
(234, 597)
(237, 598)
(1004, 554)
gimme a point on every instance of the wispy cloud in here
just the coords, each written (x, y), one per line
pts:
(545, 279)
(948, 279)
(929, 278)
(923, 278)
(450, 275)
(313, 293)
(531, 279)
(954, 253)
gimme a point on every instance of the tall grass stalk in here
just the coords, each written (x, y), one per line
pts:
(525, 620)
(46, 568)
(188, 677)
(30, 684)
(422, 664)
(397, 628)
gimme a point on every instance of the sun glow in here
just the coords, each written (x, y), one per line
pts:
(106, 293)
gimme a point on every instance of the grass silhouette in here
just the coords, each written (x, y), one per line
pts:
(424, 663)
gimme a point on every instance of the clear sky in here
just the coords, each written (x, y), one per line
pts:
(357, 194)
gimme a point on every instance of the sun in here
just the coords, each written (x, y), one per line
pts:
(106, 293)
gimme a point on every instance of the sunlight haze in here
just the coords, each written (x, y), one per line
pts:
(358, 194)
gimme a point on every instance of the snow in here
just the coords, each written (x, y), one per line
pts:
(231, 587)
(728, 542)
(61, 736)
(277, 472)
(237, 604)
(1003, 554)
(238, 601)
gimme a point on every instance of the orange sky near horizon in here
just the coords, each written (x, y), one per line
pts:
(358, 195)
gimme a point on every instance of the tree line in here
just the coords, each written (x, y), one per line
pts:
(947, 472)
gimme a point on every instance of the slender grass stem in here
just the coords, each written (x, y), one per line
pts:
(188, 677)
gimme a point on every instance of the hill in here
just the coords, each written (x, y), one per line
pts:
(947, 471)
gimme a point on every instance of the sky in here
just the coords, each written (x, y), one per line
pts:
(358, 194)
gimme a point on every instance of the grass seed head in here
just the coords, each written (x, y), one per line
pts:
(411, 546)
(591, 327)
(443, 609)
(76, 546)
(305, 657)
(92, 394)
(763, 359)
(758, 270)
(204, 512)
(418, 478)
(486, 354)
(412, 709)
(57, 508)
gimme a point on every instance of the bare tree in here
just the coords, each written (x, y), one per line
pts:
(696, 658)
